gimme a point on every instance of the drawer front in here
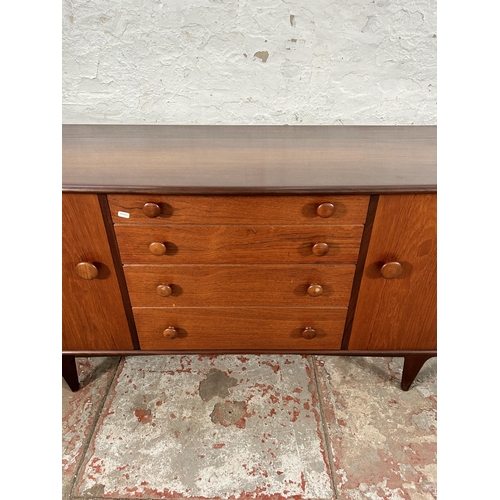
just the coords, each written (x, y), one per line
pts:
(179, 209)
(239, 329)
(238, 244)
(233, 286)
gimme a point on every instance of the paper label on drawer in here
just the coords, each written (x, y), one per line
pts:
(125, 215)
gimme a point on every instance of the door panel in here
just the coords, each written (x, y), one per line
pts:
(93, 315)
(399, 312)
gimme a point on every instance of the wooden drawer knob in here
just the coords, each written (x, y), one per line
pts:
(315, 290)
(308, 332)
(391, 270)
(157, 248)
(325, 210)
(170, 332)
(87, 270)
(164, 290)
(151, 210)
(320, 249)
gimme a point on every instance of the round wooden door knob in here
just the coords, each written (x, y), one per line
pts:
(308, 332)
(325, 210)
(391, 270)
(87, 270)
(157, 248)
(315, 290)
(170, 332)
(151, 210)
(164, 290)
(320, 249)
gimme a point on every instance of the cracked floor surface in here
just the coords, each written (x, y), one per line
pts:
(247, 427)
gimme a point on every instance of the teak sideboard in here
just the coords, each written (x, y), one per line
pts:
(249, 239)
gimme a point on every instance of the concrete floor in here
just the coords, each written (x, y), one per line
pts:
(249, 427)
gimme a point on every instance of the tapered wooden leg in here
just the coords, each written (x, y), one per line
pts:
(69, 372)
(411, 367)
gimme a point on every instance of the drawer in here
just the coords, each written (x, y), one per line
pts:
(180, 209)
(239, 329)
(233, 286)
(239, 244)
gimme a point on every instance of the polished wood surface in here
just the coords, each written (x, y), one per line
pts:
(93, 316)
(391, 270)
(315, 290)
(170, 333)
(360, 266)
(320, 249)
(326, 210)
(246, 239)
(87, 270)
(254, 159)
(333, 352)
(179, 209)
(399, 313)
(237, 285)
(238, 244)
(151, 210)
(239, 328)
(412, 365)
(157, 248)
(162, 290)
(113, 246)
(70, 372)
(308, 332)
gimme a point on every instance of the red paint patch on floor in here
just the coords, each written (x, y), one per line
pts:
(96, 465)
(272, 395)
(303, 481)
(259, 494)
(262, 388)
(241, 423)
(143, 416)
(275, 368)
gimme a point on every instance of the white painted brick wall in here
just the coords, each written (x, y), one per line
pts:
(319, 62)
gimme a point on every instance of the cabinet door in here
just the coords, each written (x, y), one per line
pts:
(93, 315)
(399, 312)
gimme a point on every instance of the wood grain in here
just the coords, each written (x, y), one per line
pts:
(179, 209)
(113, 246)
(399, 313)
(333, 352)
(239, 286)
(412, 365)
(238, 244)
(239, 328)
(220, 159)
(70, 372)
(93, 315)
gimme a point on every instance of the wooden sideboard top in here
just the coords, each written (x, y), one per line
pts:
(220, 159)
